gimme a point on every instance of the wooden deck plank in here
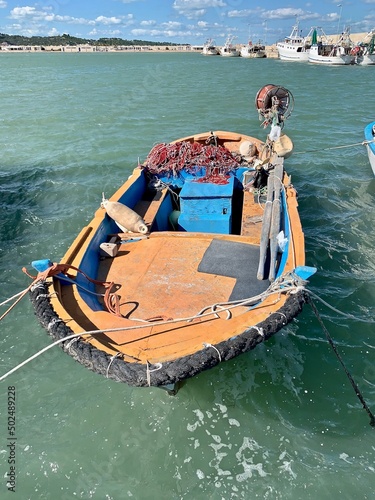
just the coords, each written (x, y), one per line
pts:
(252, 215)
(147, 209)
(142, 272)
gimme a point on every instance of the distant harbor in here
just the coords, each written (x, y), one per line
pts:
(270, 50)
(97, 48)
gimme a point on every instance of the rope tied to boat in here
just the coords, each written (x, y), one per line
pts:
(280, 285)
(53, 322)
(19, 296)
(111, 361)
(206, 344)
(69, 345)
(259, 330)
(348, 374)
(362, 143)
(148, 371)
(111, 300)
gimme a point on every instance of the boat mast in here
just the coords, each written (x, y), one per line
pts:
(338, 25)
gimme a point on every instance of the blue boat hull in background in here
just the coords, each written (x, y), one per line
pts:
(370, 143)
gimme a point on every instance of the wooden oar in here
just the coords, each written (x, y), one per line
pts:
(266, 225)
(275, 219)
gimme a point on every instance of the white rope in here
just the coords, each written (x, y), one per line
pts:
(111, 361)
(213, 347)
(67, 347)
(281, 314)
(14, 297)
(363, 143)
(39, 353)
(37, 284)
(259, 330)
(44, 296)
(279, 285)
(53, 322)
(148, 371)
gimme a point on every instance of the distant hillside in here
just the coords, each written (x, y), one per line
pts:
(71, 40)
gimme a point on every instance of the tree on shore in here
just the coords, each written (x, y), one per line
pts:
(68, 40)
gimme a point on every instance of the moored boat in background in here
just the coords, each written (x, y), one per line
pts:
(294, 47)
(364, 51)
(252, 50)
(228, 49)
(324, 51)
(210, 49)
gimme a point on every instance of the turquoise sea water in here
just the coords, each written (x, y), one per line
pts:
(281, 422)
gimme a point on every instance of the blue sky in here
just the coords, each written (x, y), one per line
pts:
(182, 21)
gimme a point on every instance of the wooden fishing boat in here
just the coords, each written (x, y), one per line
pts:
(370, 143)
(197, 258)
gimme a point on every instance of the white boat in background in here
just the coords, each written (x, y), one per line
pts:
(325, 51)
(228, 49)
(210, 49)
(294, 47)
(370, 143)
(364, 51)
(253, 50)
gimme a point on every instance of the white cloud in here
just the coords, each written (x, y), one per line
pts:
(148, 23)
(22, 12)
(285, 13)
(240, 13)
(197, 4)
(159, 33)
(196, 8)
(171, 25)
(108, 20)
(53, 32)
(32, 15)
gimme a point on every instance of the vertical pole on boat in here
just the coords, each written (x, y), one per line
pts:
(276, 216)
(266, 224)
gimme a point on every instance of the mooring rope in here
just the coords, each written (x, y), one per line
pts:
(332, 344)
(278, 286)
(345, 315)
(363, 143)
(270, 291)
(19, 296)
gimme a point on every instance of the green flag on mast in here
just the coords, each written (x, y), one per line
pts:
(314, 37)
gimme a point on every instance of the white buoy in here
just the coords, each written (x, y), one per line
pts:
(126, 219)
(247, 149)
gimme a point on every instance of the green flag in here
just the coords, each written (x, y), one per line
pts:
(314, 38)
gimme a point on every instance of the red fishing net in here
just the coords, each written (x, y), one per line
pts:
(170, 159)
